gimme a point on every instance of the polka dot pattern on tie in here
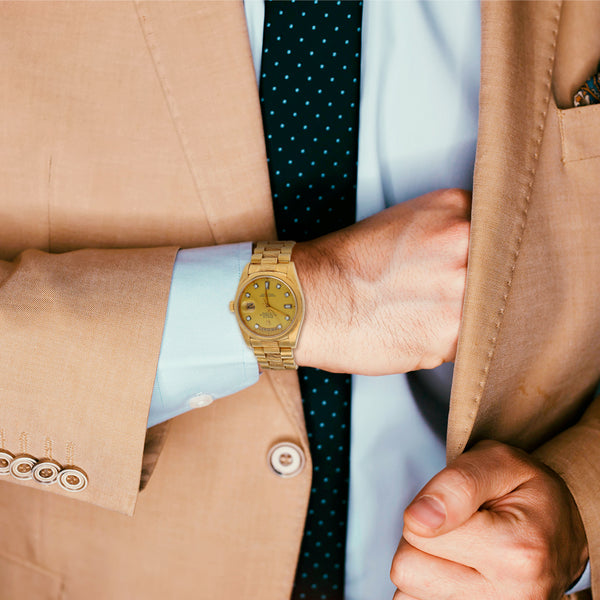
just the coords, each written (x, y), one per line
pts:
(326, 398)
(309, 91)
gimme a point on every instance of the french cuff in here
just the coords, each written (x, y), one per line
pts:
(203, 355)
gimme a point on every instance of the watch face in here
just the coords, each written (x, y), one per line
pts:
(267, 306)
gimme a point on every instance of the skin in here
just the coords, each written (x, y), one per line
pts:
(393, 284)
(495, 524)
(385, 296)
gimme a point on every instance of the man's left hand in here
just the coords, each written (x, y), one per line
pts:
(495, 524)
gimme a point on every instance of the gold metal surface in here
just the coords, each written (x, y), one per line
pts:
(269, 305)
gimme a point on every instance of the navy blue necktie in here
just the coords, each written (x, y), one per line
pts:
(309, 90)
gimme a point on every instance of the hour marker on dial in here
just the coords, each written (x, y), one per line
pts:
(278, 286)
(248, 318)
(287, 317)
(256, 326)
(247, 294)
(287, 294)
(287, 306)
(256, 285)
(267, 285)
(279, 326)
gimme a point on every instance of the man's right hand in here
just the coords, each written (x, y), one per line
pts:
(385, 295)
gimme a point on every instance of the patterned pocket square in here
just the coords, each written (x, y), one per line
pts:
(589, 92)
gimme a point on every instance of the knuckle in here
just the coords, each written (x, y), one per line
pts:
(460, 483)
(398, 573)
(433, 361)
(402, 572)
(460, 233)
(452, 290)
(447, 337)
(453, 243)
(532, 555)
(457, 197)
(460, 284)
(488, 444)
(500, 451)
(515, 458)
(532, 561)
(460, 230)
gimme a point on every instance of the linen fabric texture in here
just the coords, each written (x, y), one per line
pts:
(117, 137)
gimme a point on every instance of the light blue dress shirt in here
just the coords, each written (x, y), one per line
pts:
(418, 131)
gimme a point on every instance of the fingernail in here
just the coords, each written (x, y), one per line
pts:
(428, 511)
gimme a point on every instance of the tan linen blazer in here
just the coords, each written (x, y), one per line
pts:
(129, 129)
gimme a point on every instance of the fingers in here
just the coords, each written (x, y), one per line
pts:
(426, 577)
(494, 522)
(488, 471)
(482, 540)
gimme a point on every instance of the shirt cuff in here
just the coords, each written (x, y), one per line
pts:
(583, 583)
(203, 355)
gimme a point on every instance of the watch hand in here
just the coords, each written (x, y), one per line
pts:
(277, 310)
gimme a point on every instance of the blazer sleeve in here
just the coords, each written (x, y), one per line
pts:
(79, 345)
(575, 456)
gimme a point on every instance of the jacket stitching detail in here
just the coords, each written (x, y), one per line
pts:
(154, 53)
(524, 213)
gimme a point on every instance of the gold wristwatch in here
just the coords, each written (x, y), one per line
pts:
(269, 305)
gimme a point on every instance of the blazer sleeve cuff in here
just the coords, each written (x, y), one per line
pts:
(575, 456)
(81, 335)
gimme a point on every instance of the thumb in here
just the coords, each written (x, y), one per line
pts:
(488, 471)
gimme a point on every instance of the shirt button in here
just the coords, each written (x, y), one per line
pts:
(200, 400)
(6, 459)
(22, 467)
(286, 459)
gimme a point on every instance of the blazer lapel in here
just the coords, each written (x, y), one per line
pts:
(202, 58)
(518, 46)
(203, 61)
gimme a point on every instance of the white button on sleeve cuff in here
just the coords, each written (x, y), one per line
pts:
(203, 355)
(200, 400)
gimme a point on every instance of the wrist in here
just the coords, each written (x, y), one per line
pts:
(323, 304)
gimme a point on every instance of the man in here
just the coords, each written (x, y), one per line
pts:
(83, 329)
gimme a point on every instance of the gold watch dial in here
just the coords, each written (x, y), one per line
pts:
(267, 306)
